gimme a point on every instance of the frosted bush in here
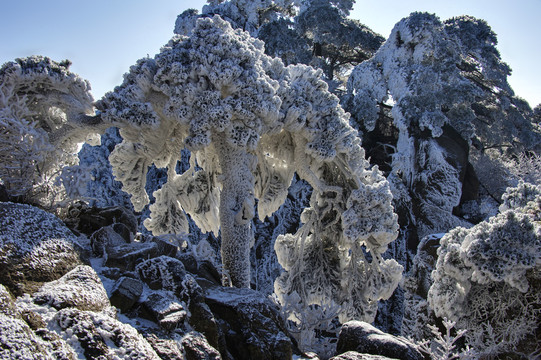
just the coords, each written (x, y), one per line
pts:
(487, 277)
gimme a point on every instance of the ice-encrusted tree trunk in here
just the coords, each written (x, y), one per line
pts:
(251, 123)
(236, 210)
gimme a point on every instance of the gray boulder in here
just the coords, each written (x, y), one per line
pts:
(165, 309)
(87, 219)
(196, 347)
(167, 349)
(364, 338)
(163, 272)
(353, 355)
(250, 323)
(125, 293)
(106, 237)
(126, 256)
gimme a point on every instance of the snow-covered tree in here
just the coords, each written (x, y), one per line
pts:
(44, 112)
(337, 42)
(487, 278)
(251, 123)
(250, 15)
(321, 35)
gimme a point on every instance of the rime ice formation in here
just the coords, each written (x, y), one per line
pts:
(251, 123)
(50, 106)
(487, 277)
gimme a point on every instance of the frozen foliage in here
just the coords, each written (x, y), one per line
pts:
(445, 346)
(43, 109)
(487, 277)
(526, 167)
(337, 42)
(321, 35)
(251, 123)
(250, 15)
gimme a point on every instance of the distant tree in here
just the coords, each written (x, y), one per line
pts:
(250, 15)
(537, 114)
(323, 36)
(44, 112)
(251, 123)
(337, 42)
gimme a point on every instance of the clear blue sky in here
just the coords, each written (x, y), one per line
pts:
(104, 37)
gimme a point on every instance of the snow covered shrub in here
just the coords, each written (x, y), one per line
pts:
(251, 123)
(43, 107)
(488, 278)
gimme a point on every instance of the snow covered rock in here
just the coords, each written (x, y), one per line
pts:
(251, 324)
(163, 272)
(18, 341)
(196, 347)
(364, 338)
(125, 293)
(353, 355)
(107, 236)
(165, 309)
(81, 288)
(164, 247)
(87, 219)
(7, 307)
(98, 335)
(35, 247)
(167, 349)
(126, 257)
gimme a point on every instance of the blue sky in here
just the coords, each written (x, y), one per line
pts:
(104, 37)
